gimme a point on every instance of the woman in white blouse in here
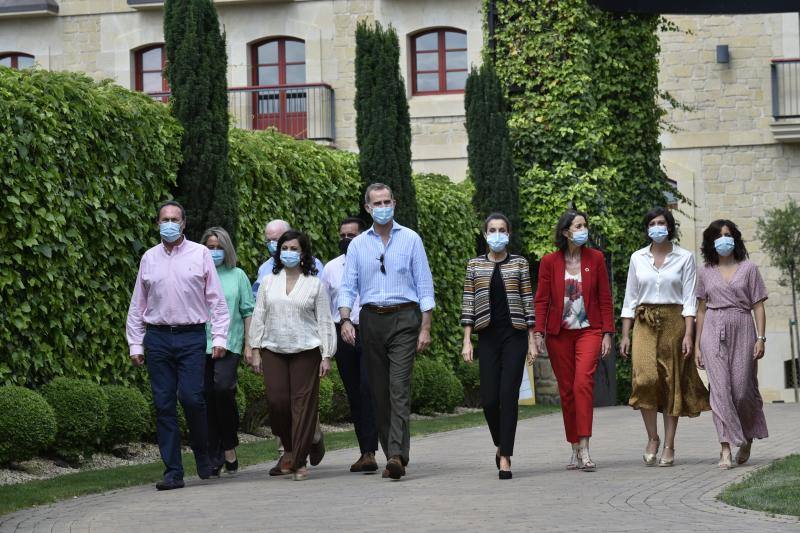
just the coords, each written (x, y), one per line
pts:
(292, 330)
(660, 306)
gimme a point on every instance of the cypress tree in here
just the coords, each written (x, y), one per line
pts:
(383, 124)
(489, 149)
(197, 74)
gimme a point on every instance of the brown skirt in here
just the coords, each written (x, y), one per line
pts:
(662, 378)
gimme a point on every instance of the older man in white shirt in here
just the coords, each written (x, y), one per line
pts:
(348, 357)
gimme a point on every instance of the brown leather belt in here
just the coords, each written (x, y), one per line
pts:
(385, 310)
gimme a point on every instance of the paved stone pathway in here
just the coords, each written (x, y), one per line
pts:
(452, 485)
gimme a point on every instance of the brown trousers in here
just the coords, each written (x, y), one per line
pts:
(292, 382)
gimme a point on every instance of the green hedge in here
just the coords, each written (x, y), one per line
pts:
(434, 387)
(81, 409)
(128, 415)
(27, 424)
(470, 377)
(82, 167)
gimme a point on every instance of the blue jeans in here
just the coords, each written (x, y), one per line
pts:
(176, 364)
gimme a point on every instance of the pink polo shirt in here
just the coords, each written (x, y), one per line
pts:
(177, 288)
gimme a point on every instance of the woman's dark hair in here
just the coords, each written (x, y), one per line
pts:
(712, 233)
(496, 216)
(307, 266)
(564, 223)
(655, 213)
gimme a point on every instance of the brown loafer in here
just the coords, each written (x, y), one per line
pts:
(385, 474)
(356, 467)
(395, 467)
(317, 452)
(368, 462)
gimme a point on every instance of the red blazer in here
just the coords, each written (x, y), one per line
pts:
(549, 301)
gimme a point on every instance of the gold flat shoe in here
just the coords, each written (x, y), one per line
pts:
(743, 455)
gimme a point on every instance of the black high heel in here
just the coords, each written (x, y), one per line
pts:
(232, 467)
(505, 474)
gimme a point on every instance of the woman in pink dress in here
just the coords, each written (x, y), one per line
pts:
(729, 344)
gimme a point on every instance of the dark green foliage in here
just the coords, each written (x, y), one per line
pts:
(470, 377)
(197, 70)
(434, 387)
(128, 415)
(250, 383)
(310, 186)
(584, 123)
(340, 405)
(325, 399)
(27, 424)
(491, 165)
(448, 227)
(83, 166)
(383, 124)
(251, 387)
(81, 409)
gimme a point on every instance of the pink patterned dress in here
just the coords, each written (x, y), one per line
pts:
(726, 343)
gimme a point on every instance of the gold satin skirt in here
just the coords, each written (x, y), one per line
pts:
(662, 379)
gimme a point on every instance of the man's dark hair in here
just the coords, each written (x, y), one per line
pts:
(655, 213)
(307, 266)
(563, 224)
(170, 202)
(714, 232)
(354, 220)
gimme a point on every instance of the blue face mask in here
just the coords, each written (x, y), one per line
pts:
(382, 215)
(497, 241)
(272, 247)
(290, 258)
(580, 237)
(658, 234)
(170, 231)
(218, 256)
(724, 245)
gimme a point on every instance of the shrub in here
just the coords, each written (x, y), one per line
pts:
(325, 399)
(27, 424)
(470, 378)
(81, 409)
(340, 407)
(128, 415)
(84, 164)
(251, 385)
(150, 433)
(434, 387)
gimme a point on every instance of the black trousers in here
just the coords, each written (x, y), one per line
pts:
(223, 415)
(501, 355)
(353, 371)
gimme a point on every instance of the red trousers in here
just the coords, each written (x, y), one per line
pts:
(573, 355)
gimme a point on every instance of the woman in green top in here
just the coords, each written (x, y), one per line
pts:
(220, 386)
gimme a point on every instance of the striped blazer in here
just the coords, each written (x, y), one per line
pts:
(475, 305)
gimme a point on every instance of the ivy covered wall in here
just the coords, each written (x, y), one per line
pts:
(585, 120)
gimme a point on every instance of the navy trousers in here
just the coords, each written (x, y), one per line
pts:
(353, 372)
(176, 363)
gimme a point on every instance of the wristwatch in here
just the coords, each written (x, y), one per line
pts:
(342, 321)
(762, 339)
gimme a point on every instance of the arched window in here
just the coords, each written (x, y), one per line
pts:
(16, 60)
(149, 68)
(439, 61)
(279, 65)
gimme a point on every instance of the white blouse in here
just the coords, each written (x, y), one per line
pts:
(295, 322)
(673, 283)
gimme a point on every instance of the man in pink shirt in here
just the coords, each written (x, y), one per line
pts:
(176, 291)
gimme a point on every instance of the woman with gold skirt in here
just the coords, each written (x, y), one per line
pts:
(660, 306)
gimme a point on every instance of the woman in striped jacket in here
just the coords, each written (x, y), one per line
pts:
(498, 304)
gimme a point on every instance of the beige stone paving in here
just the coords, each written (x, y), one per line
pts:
(452, 486)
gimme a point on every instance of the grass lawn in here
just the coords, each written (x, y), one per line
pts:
(773, 489)
(19, 496)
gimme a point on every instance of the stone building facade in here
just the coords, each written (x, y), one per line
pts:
(727, 152)
(102, 37)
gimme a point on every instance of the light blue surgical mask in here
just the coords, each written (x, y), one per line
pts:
(497, 241)
(170, 231)
(272, 247)
(658, 234)
(724, 245)
(382, 215)
(218, 256)
(290, 258)
(580, 237)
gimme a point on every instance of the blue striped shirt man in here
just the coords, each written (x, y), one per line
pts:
(407, 279)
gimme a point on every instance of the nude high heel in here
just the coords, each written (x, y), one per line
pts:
(667, 462)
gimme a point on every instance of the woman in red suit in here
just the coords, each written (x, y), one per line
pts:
(575, 321)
